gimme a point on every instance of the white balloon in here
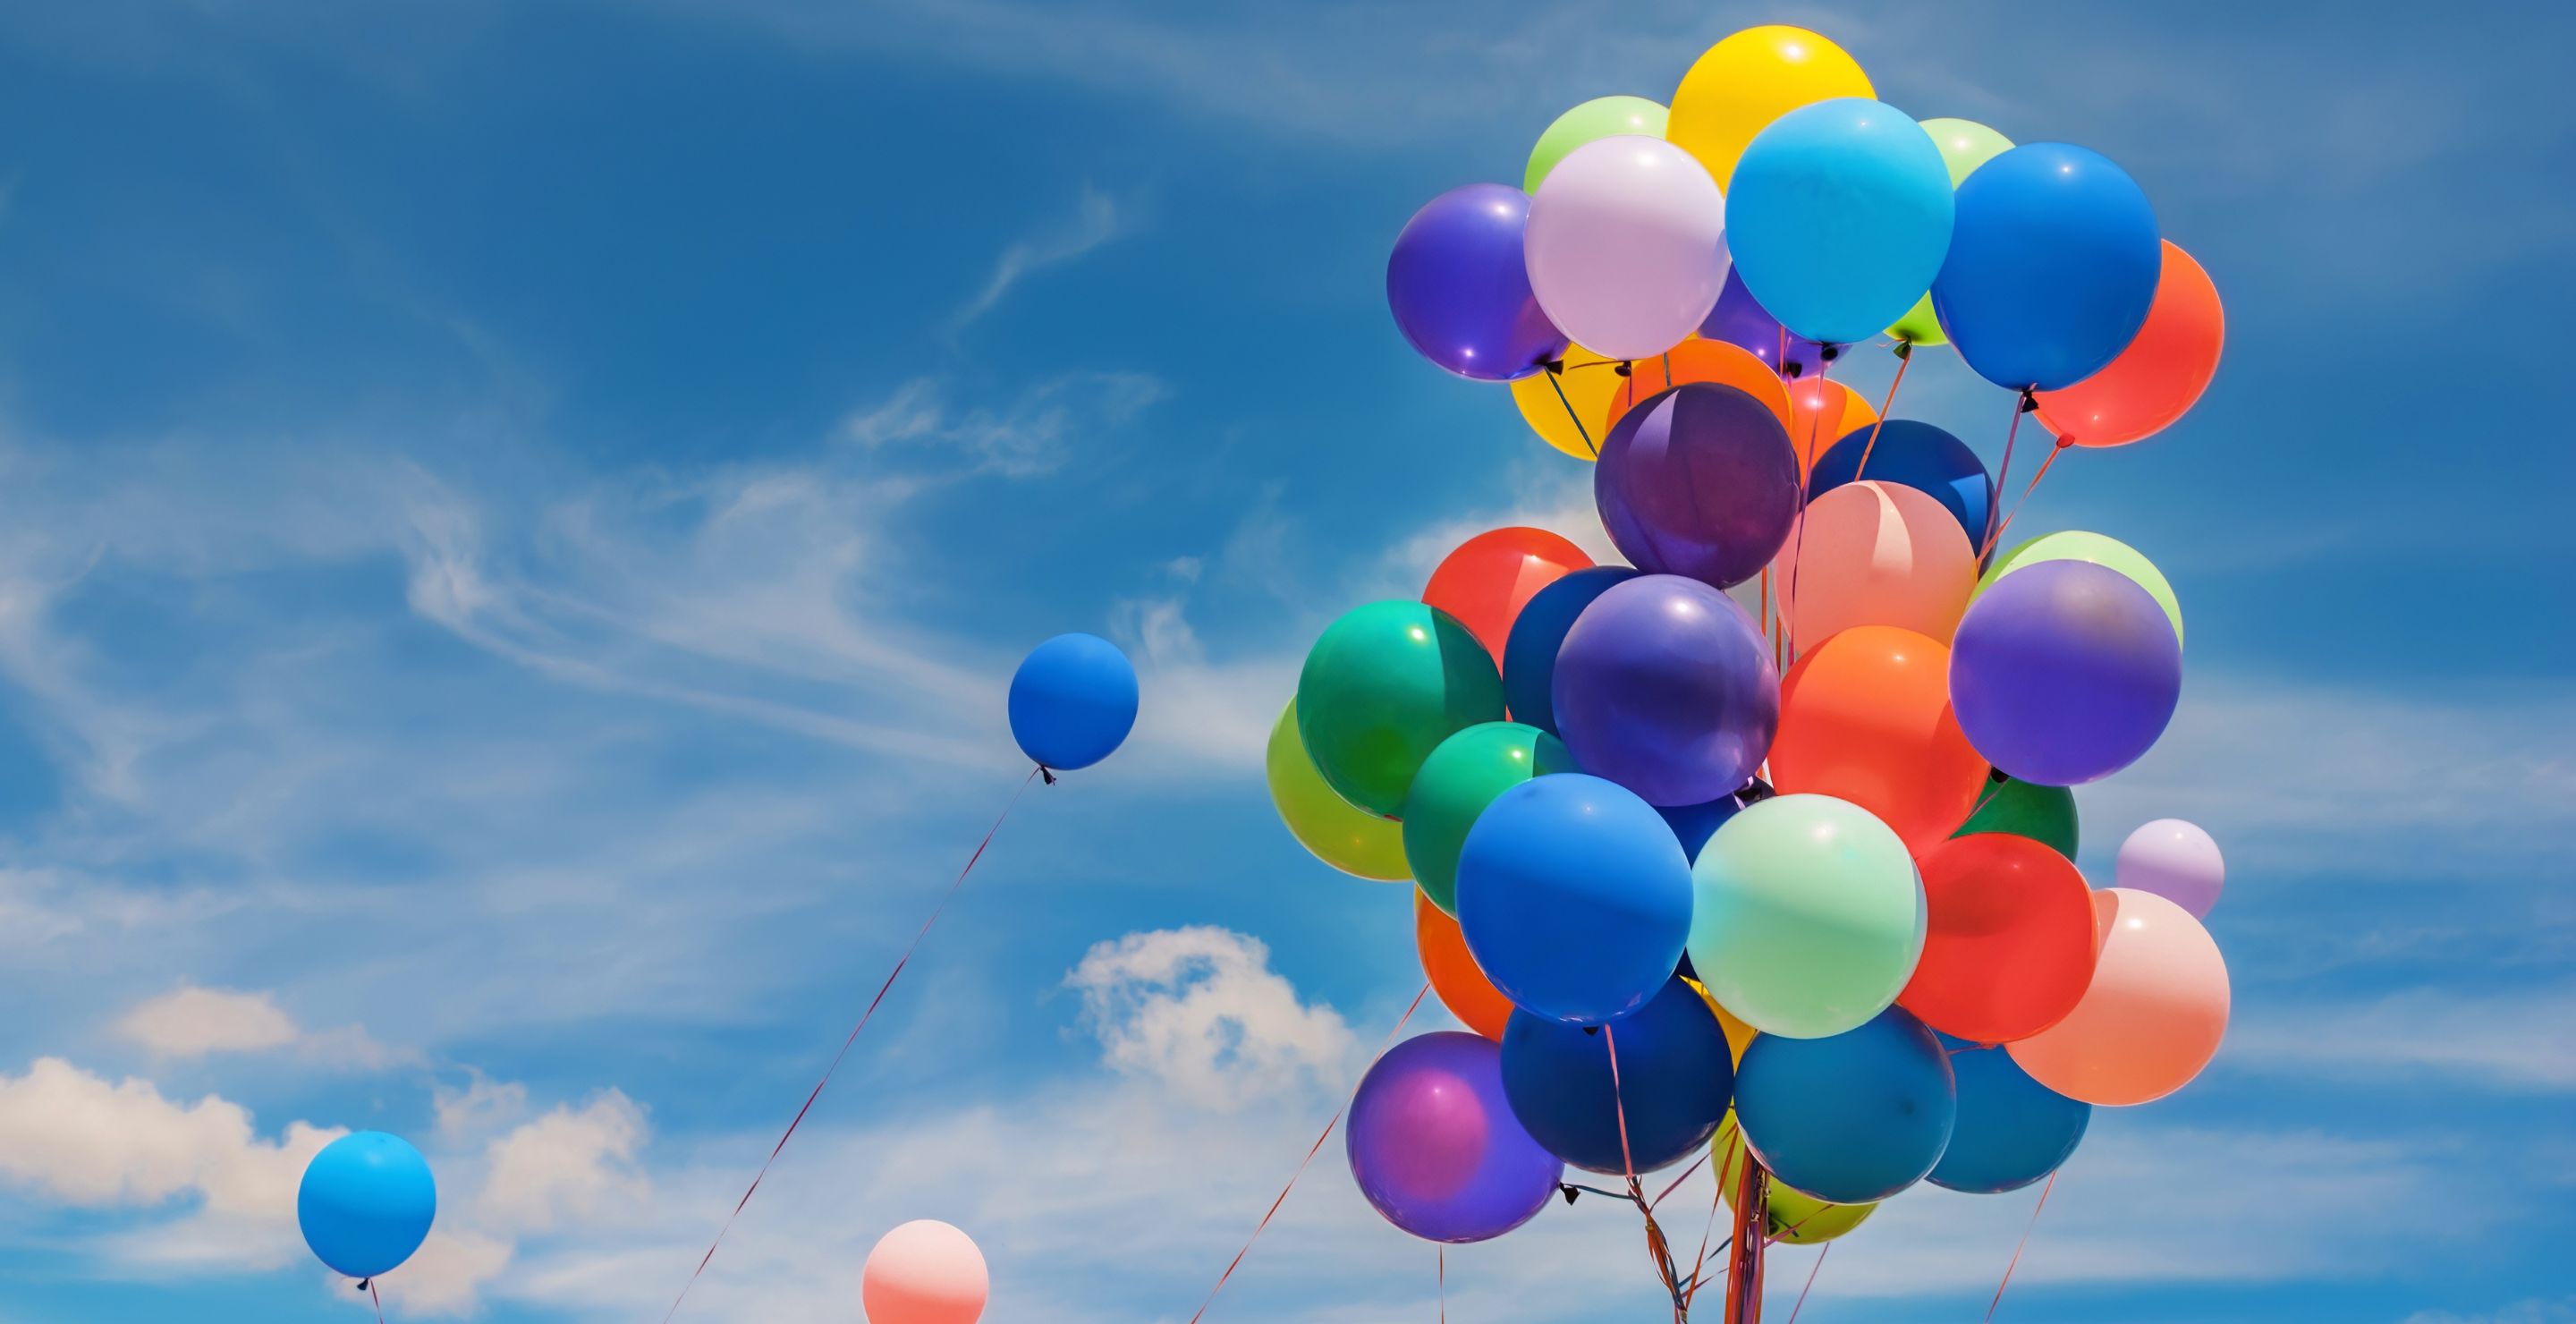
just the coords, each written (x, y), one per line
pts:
(1626, 245)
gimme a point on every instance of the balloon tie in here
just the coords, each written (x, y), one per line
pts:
(1903, 361)
(1571, 416)
(1047, 773)
(1812, 1270)
(2025, 1243)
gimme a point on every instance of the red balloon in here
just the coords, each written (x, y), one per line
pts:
(1491, 576)
(1865, 717)
(2159, 376)
(2009, 944)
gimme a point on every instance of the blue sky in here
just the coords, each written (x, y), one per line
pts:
(515, 519)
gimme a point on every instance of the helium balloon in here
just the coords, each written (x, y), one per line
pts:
(1823, 411)
(2151, 1018)
(2045, 814)
(1460, 778)
(1381, 689)
(1435, 1148)
(366, 1203)
(1529, 658)
(924, 1272)
(1674, 1079)
(1853, 1117)
(2008, 948)
(1485, 582)
(2159, 376)
(2064, 672)
(2012, 1130)
(2176, 861)
(1693, 825)
(2052, 266)
(1740, 320)
(1795, 1217)
(1920, 327)
(1806, 916)
(1739, 1036)
(1601, 117)
(1574, 898)
(1874, 553)
(1452, 972)
(1916, 455)
(1964, 145)
(1865, 717)
(1459, 291)
(1331, 828)
(1700, 481)
(1627, 245)
(1570, 423)
(1838, 216)
(1073, 701)
(1699, 361)
(1665, 687)
(1743, 83)
(2077, 545)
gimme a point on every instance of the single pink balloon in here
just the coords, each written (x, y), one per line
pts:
(2176, 861)
(1874, 553)
(2153, 1015)
(924, 1272)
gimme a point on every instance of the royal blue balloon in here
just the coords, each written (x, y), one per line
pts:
(1838, 215)
(1740, 320)
(2012, 1130)
(1693, 825)
(1459, 291)
(1851, 1117)
(366, 1203)
(1073, 701)
(1915, 455)
(2052, 266)
(1665, 686)
(1529, 655)
(1675, 1078)
(1574, 898)
(1698, 480)
(2063, 672)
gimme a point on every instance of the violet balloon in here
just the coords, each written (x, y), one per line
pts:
(1740, 320)
(1460, 291)
(1698, 480)
(2063, 677)
(2175, 860)
(1435, 1147)
(1665, 687)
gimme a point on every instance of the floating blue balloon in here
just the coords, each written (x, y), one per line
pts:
(1073, 700)
(366, 1203)
(1460, 291)
(1574, 898)
(1693, 825)
(1838, 215)
(2012, 1130)
(2052, 268)
(1529, 655)
(1675, 1077)
(1851, 1117)
(1916, 455)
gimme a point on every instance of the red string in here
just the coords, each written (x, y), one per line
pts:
(1902, 363)
(2025, 1242)
(1686, 1172)
(373, 1300)
(2051, 458)
(1801, 1303)
(1444, 1281)
(1987, 544)
(1798, 556)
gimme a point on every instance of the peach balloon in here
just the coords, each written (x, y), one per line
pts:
(1454, 974)
(924, 1272)
(2152, 1016)
(1701, 361)
(2159, 376)
(1822, 412)
(1865, 717)
(1873, 553)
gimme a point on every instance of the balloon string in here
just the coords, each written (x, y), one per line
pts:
(2022, 404)
(1572, 417)
(1443, 1252)
(1699, 1264)
(1801, 1303)
(1677, 1181)
(1655, 1248)
(2017, 1250)
(835, 1065)
(1798, 555)
(374, 1300)
(2051, 458)
(1903, 361)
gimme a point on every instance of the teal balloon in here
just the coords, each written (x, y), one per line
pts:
(1455, 784)
(2012, 1130)
(1381, 689)
(1807, 916)
(1838, 217)
(366, 1203)
(1851, 1118)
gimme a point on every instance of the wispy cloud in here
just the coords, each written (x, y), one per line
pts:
(1097, 219)
(2462, 1038)
(190, 1022)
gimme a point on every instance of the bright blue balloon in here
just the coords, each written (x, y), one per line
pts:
(1529, 655)
(1915, 455)
(1073, 700)
(2052, 268)
(1675, 1077)
(1693, 825)
(1851, 1117)
(1838, 216)
(1574, 898)
(2012, 1130)
(366, 1203)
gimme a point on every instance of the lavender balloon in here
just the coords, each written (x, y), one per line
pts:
(1435, 1148)
(1700, 481)
(1627, 245)
(1460, 292)
(2062, 673)
(2176, 861)
(1740, 320)
(1664, 686)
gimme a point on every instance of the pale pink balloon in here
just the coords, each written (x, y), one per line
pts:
(2175, 860)
(1626, 245)
(1874, 553)
(924, 1272)
(2153, 1015)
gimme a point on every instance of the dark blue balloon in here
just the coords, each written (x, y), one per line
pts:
(1073, 700)
(1665, 686)
(1529, 655)
(1460, 292)
(1675, 1078)
(2053, 263)
(366, 1203)
(1693, 825)
(1851, 1117)
(1915, 455)
(1574, 898)
(2012, 1130)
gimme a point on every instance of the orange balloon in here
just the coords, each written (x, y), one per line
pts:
(1454, 974)
(1701, 361)
(2158, 377)
(1874, 553)
(1491, 576)
(2152, 1016)
(2008, 946)
(1865, 717)
(1822, 412)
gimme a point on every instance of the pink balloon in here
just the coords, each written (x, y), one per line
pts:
(2176, 861)
(1626, 245)
(1874, 553)
(924, 1272)
(2153, 1015)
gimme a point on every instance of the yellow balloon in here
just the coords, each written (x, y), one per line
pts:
(1338, 832)
(1738, 1034)
(1588, 381)
(1743, 83)
(1796, 1217)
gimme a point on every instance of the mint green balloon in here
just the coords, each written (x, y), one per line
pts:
(1807, 916)
(1382, 687)
(1455, 784)
(1601, 117)
(2107, 552)
(1965, 145)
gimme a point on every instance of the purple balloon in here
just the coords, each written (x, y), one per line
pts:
(2062, 672)
(1698, 480)
(1435, 1147)
(2175, 860)
(1460, 292)
(1665, 687)
(1739, 320)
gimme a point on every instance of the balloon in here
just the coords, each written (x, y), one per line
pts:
(2051, 269)
(1739, 1036)
(1571, 424)
(2151, 1018)
(1073, 701)
(1459, 291)
(2158, 377)
(924, 1272)
(1921, 325)
(1381, 689)
(1740, 85)
(1795, 1217)
(1333, 829)
(1699, 361)
(1529, 659)
(1601, 117)
(2064, 672)
(1806, 917)
(1574, 898)
(1665, 687)
(1434, 1145)
(2009, 945)
(1452, 971)
(1485, 582)
(2076, 545)
(1865, 717)
(1823, 411)
(2045, 814)
(366, 1203)
(1964, 145)
(1700, 481)
(2012, 1130)
(1874, 553)
(1838, 216)
(1852, 1117)
(1739, 320)
(1916, 455)
(1675, 1077)
(1627, 245)
(2176, 861)
(1693, 825)
(1460, 778)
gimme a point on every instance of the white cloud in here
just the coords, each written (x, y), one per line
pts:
(566, 1164)
(2533, 1310)
(2468, 1038)
(190, 1022)
(448, 1274)
(1096, 220)
(1200, 1011)
(1026, 436)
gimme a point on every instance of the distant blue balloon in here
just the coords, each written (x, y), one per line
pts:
(1838, 215)
(2012, 1130)
(1852, 1117)
(2052, 267)
(366, 1203)
(1675, 1078)
(1529, 655)
(1915, 455)
(1460, 292)
(1073, 700)
(1693, 825)
(1574, 898)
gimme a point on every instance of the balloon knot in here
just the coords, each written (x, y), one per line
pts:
(2029, 401)
(1905, 349)
(1622, 369)
(1592, 1029)
(1555, 367)
(365, 1283)
(1568, 1192)
(1795, 367)
(1755, 792)
(1833, 352)
(1045, 773)
(2065, 442)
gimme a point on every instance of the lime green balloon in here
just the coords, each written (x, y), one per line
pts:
(1333, 829)
(2077, 545)
(1460, 778)
(1796, 1217)
(2045, 814)
(1965, 145)
(1806, 916)
(1382, 688)
(1601, 117)
(1920, 326)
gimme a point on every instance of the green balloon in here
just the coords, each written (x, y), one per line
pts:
(1965, 145)
(1807, 916)
(1920, 325)
(2077, 545)
(1382, 688)
(1601, 117)
(1460, 778)
(1333, 829)
(1796, 1217)
(2045, 814)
